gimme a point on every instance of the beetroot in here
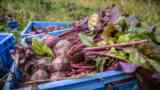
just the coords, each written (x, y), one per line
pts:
(63, 43)
(52, 28)
(75, 48)
(43, 62)
(79, 66)
(62, 47)
(71, 36)
(51, 40)
(40, 74)
(39, 30)
(61, 64)
(74, 53)
(57, 76)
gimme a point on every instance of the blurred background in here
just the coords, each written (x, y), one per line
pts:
(68, 10)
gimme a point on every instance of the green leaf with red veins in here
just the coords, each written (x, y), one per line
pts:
(87, 40)
(41, 49)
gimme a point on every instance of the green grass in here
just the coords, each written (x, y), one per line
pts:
(59, 10)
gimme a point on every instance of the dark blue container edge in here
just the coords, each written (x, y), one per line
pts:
(9, 35)
(6, 44)
(98, 78)
(11, 44)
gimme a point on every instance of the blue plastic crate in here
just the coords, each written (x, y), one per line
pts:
(29, 26)
(13, 24)
(100, 81)
(7, 42)
(96, 82)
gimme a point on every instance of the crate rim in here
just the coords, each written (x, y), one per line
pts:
(107, 75)
(23, 33)
(9, 36)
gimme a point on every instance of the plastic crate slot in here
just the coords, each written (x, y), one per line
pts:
(127, 85)
(123, 81)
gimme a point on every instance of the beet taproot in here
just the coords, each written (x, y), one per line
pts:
(61, 64)
(62, 47)
(40, 74)
(51, 40)
(58, 76)
(43, 62)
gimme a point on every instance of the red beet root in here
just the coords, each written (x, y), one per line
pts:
(79, 66)
(61, 64)
(51, 40)
(62, 47)
(58, 76)
(40, 75)
(76, 48)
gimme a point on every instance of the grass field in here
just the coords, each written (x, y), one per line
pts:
(67, 10)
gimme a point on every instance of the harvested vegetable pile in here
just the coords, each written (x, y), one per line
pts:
(39, 30)
(107, 40)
